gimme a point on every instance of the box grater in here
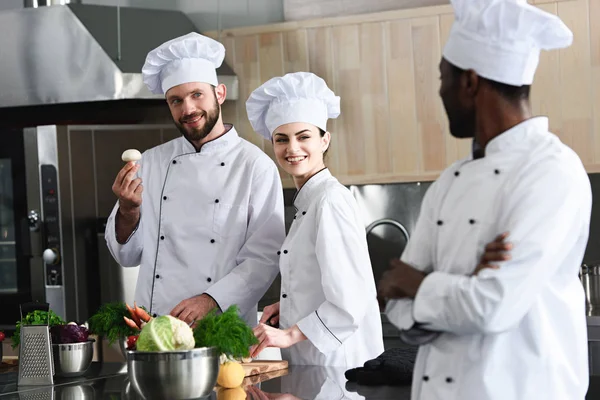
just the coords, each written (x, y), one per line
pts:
(36, 366)
(46, 393)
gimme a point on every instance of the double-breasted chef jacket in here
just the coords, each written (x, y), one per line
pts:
(327, 283)
(518, 332)
(211, 222)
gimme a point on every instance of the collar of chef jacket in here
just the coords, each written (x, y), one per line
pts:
(224, 142)
(516, 136)
(303, 196)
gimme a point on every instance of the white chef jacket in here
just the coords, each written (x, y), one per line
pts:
(211, 222)
(518, 332)
(327, 283)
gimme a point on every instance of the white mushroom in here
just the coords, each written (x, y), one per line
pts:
(131, 155)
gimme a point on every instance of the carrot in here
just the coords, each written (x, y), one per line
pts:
(143, 315)
(130, 323)
(133, 314)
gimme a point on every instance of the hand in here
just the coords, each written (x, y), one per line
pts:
(128, 189)
(270, 315)
(495, 251)
(272, 337)
(194, 308)
(399, 281)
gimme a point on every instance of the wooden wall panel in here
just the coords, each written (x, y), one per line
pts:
(393, 127)
(575, 82)
(546, 97)
(295, 51)
(426, 55)
(405, 140)
(247, 66)
(349, 137)
(373, 99)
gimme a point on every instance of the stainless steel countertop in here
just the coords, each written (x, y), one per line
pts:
(108, 381)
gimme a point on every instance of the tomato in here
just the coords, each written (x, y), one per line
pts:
(2, 336)
(131, 341)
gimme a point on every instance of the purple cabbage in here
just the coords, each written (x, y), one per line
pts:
(63, 334)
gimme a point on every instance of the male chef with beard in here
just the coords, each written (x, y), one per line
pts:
(517, 331)
(202, 215)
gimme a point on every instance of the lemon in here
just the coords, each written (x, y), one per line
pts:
(231, 374)
(231, 394)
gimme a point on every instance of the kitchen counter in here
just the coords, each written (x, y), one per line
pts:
(109, 381)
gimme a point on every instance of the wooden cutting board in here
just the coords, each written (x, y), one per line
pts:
(258, 367)
(9, 364)
(255, 379)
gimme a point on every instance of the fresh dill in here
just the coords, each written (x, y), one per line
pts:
(228, 332)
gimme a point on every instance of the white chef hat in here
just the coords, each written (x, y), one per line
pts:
(189, 58)
(501, 39)
(294, 97)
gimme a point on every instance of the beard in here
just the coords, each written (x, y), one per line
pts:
(462, 123)
(198, 133)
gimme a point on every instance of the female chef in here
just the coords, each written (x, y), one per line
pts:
(328, 312)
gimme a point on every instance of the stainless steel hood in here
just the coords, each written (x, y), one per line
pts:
(84, 53)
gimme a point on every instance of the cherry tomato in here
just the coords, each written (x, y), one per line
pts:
(131, 341)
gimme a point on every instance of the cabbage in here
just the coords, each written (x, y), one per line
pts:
(70, 333)
(165, 333)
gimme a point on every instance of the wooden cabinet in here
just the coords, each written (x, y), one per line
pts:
(384, 66)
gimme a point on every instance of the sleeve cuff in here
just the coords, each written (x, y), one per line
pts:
(428, 305)
(319, 335)
(215, 300)
(221, 303)
(400, 313)
(132, 233)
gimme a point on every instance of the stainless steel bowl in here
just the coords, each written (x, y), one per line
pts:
(187, 374)
(72, 359)
(123, 347)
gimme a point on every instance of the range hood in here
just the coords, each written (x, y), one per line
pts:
(84, 53)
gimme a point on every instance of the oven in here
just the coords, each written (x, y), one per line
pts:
(31, 267)
(55, 190)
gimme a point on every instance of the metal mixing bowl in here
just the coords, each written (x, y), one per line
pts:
(186, 374)
(72, 359)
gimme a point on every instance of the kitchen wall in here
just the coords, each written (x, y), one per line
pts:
(10, 4)
(384, 66)
(205, 14)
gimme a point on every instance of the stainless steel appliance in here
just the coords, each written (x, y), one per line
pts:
(390, 213)
(30, 222)
(55, 183)
(590, 279)
(59, 53)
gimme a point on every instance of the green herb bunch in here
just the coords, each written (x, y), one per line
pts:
(108, 322)
(37, 317)
(228, 332)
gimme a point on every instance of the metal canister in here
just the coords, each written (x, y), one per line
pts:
(590, 278)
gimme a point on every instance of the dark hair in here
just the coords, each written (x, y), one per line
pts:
(322, 132)
(509, 92)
